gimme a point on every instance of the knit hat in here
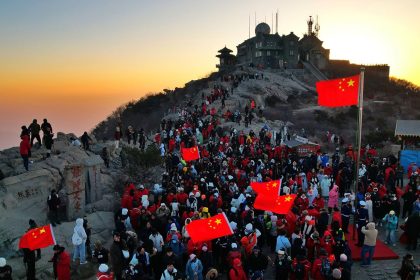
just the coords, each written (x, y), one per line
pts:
(362, 203)
(345, 200)
(124, 211)
(103, 268)
(234, 246)
(192, 256)
(233, 209)
(2, 262)
(392, 212)
(173, 226)
(343, 258)
(233, 225)
(336, 274)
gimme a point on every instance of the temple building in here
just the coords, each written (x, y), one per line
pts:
(268, 50)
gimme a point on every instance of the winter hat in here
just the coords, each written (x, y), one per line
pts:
(336, 274)
(362, 203)
(192, 256)
(345, 200)
(280, 252)
(124, 211)
(173, 226)
(103, 268)
(343, 258)
(392, 212)
(162, 205)
(234, 246)
(308, 218)
(2, 262)
(233, 225)
(249, 229)
(204, 248)
(233, 209)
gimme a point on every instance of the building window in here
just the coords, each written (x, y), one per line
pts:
(268, 53)
(258, 45)
(292, 43)
(291, 53)
(258, 53)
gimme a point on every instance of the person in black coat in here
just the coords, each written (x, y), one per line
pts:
(412, 228)
(283, 265)
(53, 206)
(257, 261)
(29, 259)
(206, 258)
(408, 269)
(409, 197)
(85, 139)
(5, 270)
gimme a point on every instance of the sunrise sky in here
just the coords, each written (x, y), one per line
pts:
(74, 62)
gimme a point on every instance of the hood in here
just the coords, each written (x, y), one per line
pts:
(335, 188)
(79, 222)
(370, 226)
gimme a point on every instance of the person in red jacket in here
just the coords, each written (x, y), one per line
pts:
(25, 150)
(61, 262)
(237, 271)
(103, 273)
(300, 268)
(318, 272)
(328, 243)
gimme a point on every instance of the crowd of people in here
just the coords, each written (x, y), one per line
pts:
(32, 132)
(150, 240)
(311, 241)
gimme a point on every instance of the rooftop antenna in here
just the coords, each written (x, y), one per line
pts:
(272, 23)
(277, 21)
(317, 27)
(310, 23)
(249, 26)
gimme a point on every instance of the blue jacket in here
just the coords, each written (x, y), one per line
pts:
(194, 269)
(391, 222)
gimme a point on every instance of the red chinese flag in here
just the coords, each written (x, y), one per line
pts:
(272, 187)
(339, 92)
(276, 204)
(189, 154)
(210, 228)
(37, 238)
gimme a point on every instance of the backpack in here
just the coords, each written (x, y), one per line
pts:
(325, 268)
(299, 271)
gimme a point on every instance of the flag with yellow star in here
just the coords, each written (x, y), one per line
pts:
(38, 238)
(276, 204)
(339, 92)
(210, 228)
(271, 187)
(190, 154)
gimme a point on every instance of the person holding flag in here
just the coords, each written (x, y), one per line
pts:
(34, 239)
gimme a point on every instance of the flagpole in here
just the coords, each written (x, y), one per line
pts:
(359, 126)
(358, 142)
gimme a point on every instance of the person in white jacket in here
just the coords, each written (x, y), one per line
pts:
(170, 273)
(79, 241)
